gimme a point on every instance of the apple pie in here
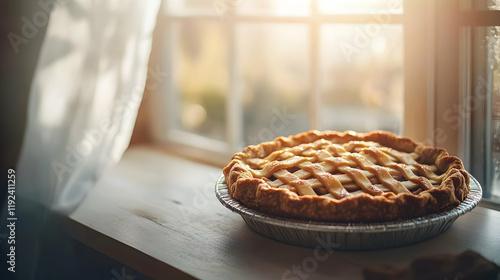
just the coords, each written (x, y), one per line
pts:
(349, 177)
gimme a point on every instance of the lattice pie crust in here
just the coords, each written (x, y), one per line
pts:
(348, 176)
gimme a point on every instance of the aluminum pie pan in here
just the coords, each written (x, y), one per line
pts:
(349, 236)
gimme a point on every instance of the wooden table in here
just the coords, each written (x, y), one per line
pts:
(158, 214)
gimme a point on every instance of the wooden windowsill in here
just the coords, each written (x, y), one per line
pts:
(158, 214)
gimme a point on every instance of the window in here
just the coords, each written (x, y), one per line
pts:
(243, 72)
(480, 71)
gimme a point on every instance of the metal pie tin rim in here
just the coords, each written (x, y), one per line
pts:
(473, 198)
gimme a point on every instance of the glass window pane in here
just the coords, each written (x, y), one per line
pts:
(361, 77)
(273, 79)
(275, 7)
(191, 7)
(484, 108)
(494, 5)
(360, 6)
(200, 77)
(480, 5)
(493, 61)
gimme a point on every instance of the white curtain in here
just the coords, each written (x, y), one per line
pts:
(82, 107)
(84, 98)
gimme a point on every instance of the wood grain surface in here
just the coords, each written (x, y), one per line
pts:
(158, 214)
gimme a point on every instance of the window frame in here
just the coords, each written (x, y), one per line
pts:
(455, 72)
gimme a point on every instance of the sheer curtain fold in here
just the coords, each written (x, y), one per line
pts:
(84, 97)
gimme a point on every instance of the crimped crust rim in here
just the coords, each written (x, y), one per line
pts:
(256, 193)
